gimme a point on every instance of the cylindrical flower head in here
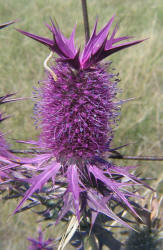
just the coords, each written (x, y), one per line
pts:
(76, 107)
(77, 111)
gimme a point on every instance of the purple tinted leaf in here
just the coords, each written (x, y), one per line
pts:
(61, 44)
(73, 180)
(72, 43)
(110, 41)
(87, 48)
(99, 47)
(68, 204)
(9, 166)
(33, 240)
(3, 98)
(32, 142)
(113, 40)
(98, 203)
(93, 218)
(40, 39)
(36, 160)
(3, 175)
(102, 36)
(3, 25)
(117, 48)
(119, 39)
(74, 62)
(39, 181)
(96, 49)
(124, 172)
(95, 43)
(113, 185)
(4, 118)
(4, 159)
(66, 46)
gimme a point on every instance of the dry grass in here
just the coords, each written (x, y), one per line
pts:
(140, 69)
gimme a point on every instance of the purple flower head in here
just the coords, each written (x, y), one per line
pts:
(7, 159)
(4, 148)
(40, 243)
(77, 108)
(77, 111)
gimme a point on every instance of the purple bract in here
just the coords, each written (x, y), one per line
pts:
(97, 48)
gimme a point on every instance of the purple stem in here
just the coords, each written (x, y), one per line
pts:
(85, 19)
(113, 156)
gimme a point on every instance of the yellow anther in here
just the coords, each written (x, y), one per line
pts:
(48, 68)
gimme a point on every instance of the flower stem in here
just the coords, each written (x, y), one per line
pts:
(85, 19)
(113, 156)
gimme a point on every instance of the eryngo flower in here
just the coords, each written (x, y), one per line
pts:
(77, 110)
(8, 160)
(40, 243)
(4, 148)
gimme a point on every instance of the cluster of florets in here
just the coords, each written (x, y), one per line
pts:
(77, 111)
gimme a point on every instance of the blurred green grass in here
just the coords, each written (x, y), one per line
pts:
(140, 68)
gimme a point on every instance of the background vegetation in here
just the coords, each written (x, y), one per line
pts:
(140, 68)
